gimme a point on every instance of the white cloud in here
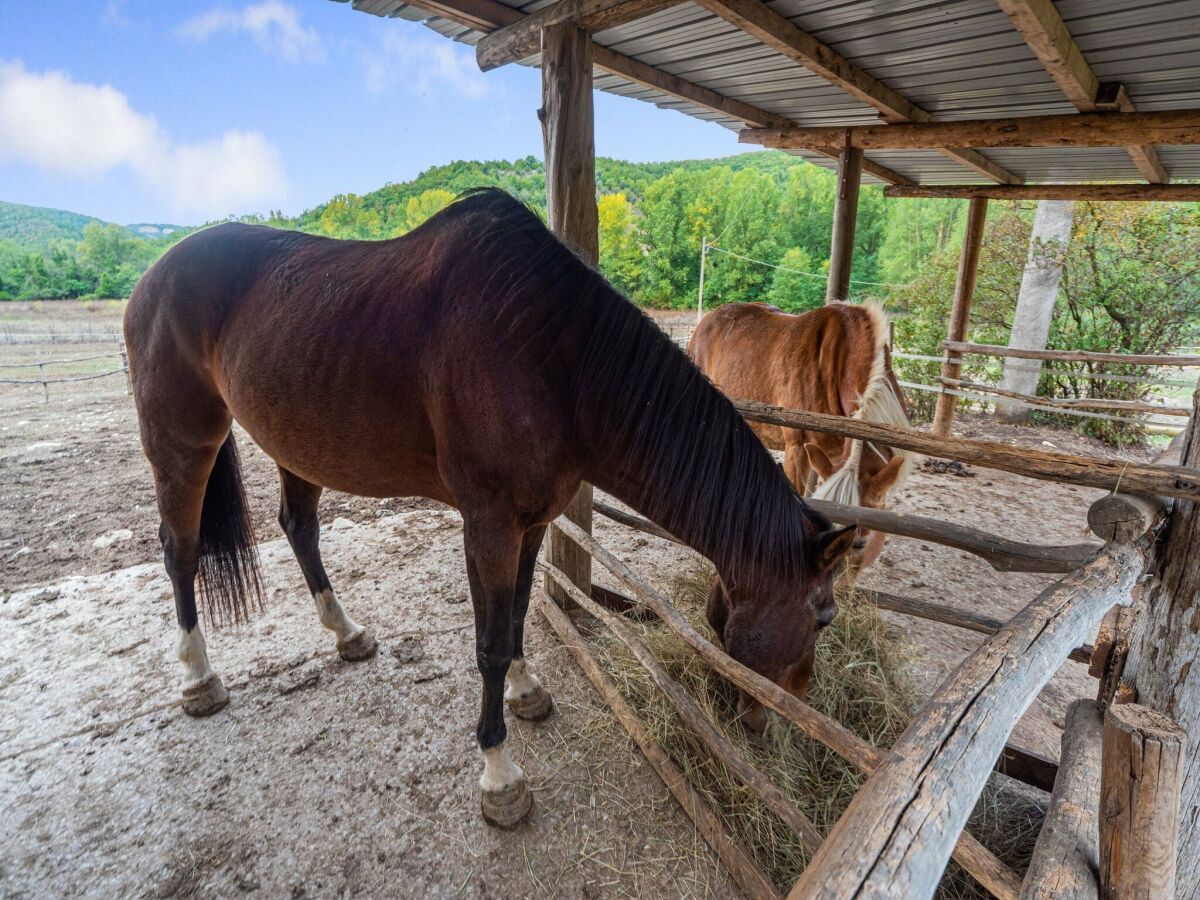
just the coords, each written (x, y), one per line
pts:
(423, 65)
(274, 25)
(82, 130)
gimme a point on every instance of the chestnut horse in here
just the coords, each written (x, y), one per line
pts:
(475, 361)
(832, 360)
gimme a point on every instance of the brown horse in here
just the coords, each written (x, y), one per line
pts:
(475, 361)
(833, 360)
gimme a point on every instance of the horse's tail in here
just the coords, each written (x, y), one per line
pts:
(879, 402)
(229, 576)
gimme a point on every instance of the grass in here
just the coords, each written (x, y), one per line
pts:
(862, 679)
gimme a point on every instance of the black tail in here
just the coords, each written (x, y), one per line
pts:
(229, 576)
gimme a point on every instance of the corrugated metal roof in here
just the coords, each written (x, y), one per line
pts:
(957, 60)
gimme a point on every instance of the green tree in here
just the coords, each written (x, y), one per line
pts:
(424, 205)
(792, 291)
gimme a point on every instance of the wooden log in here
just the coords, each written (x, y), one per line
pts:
(1137, 193)
(1128, 359)
(1028, 767)
(1067, 855)
(895, 837)
(694, 718)
(1065, 468)
(1132, 406)
(845, 219)
(1139, 802)
(960, 310)
(1000, 553)
(569, 139)
(976, 859)
(522, 39)
(1105, 129)
(741, 865)
(1124, 517)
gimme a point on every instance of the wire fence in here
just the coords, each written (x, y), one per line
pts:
(46, 379)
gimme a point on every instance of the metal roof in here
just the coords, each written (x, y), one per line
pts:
(961, 59)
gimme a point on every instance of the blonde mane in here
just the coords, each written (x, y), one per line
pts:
(877, 403)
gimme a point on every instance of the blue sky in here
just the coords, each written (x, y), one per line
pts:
(173, 111)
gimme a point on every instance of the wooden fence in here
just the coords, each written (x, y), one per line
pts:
(907, 820)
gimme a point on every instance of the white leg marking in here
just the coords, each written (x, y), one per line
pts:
(519, 682)
(499, 771)
(194, 656)
(334, 618)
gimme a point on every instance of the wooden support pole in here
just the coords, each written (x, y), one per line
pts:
(1066, 855)
(845, 218)
(741, 865)
(960, 310)
(569, 138)
(1139, 803)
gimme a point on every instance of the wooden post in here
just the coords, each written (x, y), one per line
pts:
(1139, 803)
(1066, 854)
(1166, 644)
(845, 217)
(960, 312)
(568, 136)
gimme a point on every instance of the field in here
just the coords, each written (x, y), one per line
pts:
(325, 778)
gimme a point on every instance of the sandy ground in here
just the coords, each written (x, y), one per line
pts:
(330, 779)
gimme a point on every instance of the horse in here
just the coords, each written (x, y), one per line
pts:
(476, 361)
(832, 360)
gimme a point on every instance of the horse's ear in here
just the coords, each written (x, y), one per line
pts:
(884, 480)
(818, 460)
(831, 546)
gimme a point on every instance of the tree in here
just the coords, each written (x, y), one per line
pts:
(424, 205)
(620, 255)
(793, 291)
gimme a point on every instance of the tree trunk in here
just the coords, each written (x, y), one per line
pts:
(1035, 304)
(1167, 646)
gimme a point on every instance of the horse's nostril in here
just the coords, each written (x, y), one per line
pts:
(826, 616)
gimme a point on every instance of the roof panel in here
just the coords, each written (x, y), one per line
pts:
(957, 59)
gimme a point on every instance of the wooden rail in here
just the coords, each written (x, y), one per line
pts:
(1000, 553)
(1064, 403)
(1065, 468)
(895, 837)
(1128, 359)
(976, 859)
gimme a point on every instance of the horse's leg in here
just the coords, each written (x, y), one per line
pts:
(523, 692)
(796, 467)
(493, 561)
(181, 476)
(298, 515)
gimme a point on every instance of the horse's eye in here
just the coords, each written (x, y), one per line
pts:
(859, 545)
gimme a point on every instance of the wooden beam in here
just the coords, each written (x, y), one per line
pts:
(1180, 126)
(1130, 192)
(488, 15)
(781, 34)
(1065, 468)
(568, 133)
(1067, 854)
(1140, 778)
(960, 310)
(522, 39)
(845, 218)
(895, 837)
(1052, 403)
(1131, 359)
(1039, 23)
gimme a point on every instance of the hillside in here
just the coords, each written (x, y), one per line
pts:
(34, 227)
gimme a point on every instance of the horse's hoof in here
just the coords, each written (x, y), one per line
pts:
(361, 646)
(205, 698)
(507, 807)
(534, 706)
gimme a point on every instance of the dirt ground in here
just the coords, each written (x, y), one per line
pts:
(324, 778)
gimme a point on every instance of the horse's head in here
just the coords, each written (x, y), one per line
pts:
(771, 624)
(877, 476)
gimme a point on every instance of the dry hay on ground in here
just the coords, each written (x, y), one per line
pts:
(862, 679)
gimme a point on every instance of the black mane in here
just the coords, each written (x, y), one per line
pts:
(640, 402)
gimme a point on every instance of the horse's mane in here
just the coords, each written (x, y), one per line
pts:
(638, 399)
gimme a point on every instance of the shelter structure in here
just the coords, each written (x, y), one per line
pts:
(970, 99)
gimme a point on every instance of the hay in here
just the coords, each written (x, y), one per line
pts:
(862, 679)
